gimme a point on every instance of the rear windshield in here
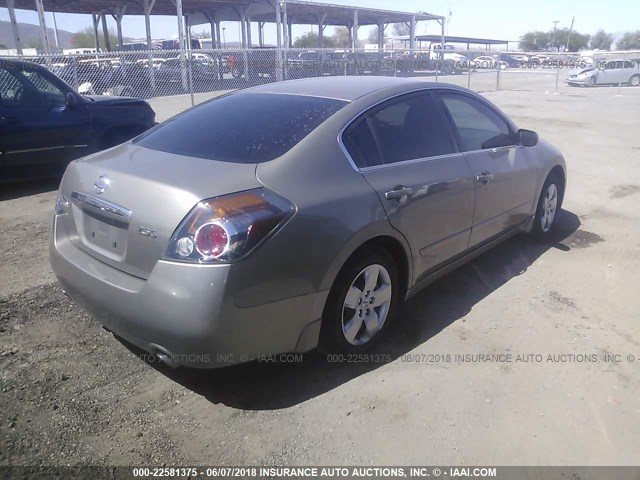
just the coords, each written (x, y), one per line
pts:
(243, 127)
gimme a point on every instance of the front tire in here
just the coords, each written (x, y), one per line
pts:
(592, 82)
(362, 303)
(634, 81)
(549, 204)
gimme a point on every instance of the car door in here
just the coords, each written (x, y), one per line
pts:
(504, 182)
(608, 72)
(39, 129)
(406, 151)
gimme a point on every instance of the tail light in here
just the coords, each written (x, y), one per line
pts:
(225, 229)
(62, 204)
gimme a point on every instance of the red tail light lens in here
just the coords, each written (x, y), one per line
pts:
(226, 228)
(211, 240)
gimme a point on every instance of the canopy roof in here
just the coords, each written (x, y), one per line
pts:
(298, 11)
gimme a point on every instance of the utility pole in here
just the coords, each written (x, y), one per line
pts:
(570, 30)
(555, 25)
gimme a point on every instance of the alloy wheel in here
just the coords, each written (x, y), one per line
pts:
(549, 207)
(366, 305)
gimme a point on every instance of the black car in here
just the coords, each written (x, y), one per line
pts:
(511, 61)
(44, 123)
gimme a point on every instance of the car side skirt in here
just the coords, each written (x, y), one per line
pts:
(467, 256)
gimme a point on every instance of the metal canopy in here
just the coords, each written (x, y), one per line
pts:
(468, 40)
(134, 7)
(299, 11)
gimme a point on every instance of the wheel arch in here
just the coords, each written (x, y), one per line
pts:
(561, 173)
(392, 242)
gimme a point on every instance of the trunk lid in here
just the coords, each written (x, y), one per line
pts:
(147, 193)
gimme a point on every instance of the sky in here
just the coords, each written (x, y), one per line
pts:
(500, 19)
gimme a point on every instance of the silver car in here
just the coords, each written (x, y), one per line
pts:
(294, 215)
(611, 72)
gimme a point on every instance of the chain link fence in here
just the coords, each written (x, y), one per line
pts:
(174, 80)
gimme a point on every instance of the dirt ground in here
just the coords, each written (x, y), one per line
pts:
(71, 393)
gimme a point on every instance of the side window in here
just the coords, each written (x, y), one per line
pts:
(410, 129)
(9, 88)
(49, 93)
(361, 145)
(479, 127)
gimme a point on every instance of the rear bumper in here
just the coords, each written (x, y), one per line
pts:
(186, 313)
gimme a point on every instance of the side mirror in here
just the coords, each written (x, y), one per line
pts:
(527, 138)
(72, 100)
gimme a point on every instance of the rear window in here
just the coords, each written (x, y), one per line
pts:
(243, 127)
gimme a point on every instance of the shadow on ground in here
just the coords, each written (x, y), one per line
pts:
(266, 386)
(27, 188)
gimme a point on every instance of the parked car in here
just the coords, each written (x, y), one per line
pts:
(45, 123)
(429, 60)
(294, 215)
(487, 62)
(314, 64)
(173, 69)
(259, 62)
(606, 73)
(127, 79)
(511, 61)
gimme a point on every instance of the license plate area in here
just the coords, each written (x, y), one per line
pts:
(101, 225)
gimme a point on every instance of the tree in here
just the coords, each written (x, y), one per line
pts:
(34, 43)
(629, 41)
(373, 35)
(310, 40)
(201, 34)
(601, 40)
(85, 38)
(537, 41)
(400, 29)
(578, 41)
(341, 37)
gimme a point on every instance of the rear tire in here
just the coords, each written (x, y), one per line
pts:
(549, 203)
(634, 81)
(362, 303)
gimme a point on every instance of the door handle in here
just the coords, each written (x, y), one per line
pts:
(485, 177)
(398, 193)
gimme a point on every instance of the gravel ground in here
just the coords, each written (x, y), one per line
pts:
(72, 394)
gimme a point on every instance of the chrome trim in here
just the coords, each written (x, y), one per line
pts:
(409, 162)
(101, 207)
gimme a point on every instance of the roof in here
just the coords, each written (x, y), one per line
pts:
(298, 11)
(452, 39)
(340, 88)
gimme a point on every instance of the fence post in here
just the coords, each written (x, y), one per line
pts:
(395, 63)
(624, 62)
(557, 71)
(75, 72)
(190, 73)
(438, 61)
(499, 65)
(469, 74)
